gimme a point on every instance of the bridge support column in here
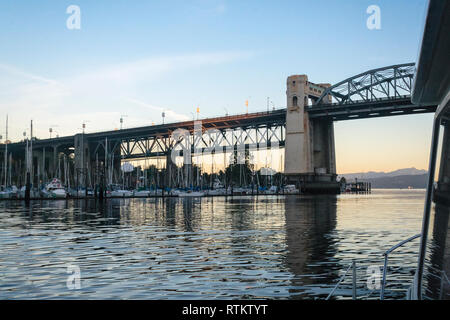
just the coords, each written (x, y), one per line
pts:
(54, 164)
(82, 159)
(310, 153)
(170, 170)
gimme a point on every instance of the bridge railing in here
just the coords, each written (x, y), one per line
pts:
(353, 102)
(160, 125)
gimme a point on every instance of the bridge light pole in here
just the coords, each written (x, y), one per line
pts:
(6, 153)
(1, 137)
(121, 121)
(50, 130)
(270, 102)
(163, 116)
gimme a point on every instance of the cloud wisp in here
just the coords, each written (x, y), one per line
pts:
(170, 114)
(25, 95)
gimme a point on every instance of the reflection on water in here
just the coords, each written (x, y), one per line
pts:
(293, 247)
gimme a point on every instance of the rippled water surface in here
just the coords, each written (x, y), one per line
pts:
(276, 247)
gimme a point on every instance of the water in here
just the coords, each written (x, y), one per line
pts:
(270, 247)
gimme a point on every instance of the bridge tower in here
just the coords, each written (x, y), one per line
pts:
(310, 152)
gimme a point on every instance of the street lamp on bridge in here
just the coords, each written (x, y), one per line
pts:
(121, 121)
(50, 130)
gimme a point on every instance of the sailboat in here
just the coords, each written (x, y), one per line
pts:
(54, 190)
(5, 192)
(191, 193)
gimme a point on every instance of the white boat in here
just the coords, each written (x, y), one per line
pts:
(157, 192)
(191, 194)
(80, 193)
(44, 193)
(272, 190)
(239, 191)
(141, 193)
(291, 189)
(217, 192)
(175, 192)
(9, 193)
(5, 194)
(21, 193)
(55, 189)
(217, 184)
(14, 191)
(121, 193)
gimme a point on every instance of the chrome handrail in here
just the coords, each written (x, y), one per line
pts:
(386, 255)
(352, 265)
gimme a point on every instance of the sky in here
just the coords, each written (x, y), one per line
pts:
(137, 59)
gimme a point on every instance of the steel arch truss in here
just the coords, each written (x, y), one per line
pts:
(211, 141)
(387, 83)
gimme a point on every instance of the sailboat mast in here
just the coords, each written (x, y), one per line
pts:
(10, 168)
(106, 161)
(31, 152)
(6, 152)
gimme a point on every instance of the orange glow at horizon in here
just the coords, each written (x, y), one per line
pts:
(383, 144)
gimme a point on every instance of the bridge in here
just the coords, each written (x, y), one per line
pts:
(304, 128)
(376, 93)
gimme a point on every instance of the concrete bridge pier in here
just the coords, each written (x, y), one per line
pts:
(53, 166)
(82, 157)
(310, 152)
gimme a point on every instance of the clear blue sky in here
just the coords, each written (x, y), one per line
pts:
(137, 58)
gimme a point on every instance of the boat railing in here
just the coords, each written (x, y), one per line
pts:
(386, 254)
(353, 267)
(386, 260)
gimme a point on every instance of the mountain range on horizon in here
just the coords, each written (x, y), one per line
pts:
(381, 174)
(401, 178)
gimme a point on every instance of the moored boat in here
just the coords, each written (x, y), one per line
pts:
(191, 193)
(55, 189)
(121, 193)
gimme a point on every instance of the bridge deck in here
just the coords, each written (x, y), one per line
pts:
(363, 110)
(336, 112)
